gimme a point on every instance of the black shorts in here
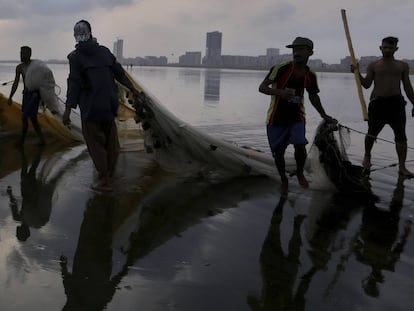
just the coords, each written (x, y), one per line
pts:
(30, 104)
(387, 110)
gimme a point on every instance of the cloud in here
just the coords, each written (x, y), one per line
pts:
(159, 27)
(19, 9)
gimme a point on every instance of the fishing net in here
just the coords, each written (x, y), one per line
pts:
(178, 146)
(40, 77)
(332, 141)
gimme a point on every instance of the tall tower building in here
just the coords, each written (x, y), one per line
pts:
(213, 49)
(119, 49)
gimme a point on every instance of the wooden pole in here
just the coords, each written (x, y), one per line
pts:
(354, 63)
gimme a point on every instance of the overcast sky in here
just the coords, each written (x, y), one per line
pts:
(170, 28)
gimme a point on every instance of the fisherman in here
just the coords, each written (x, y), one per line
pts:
(286, 83)
(387, 105)
(91, 85)
(31, 98)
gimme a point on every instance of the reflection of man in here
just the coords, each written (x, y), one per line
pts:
(90, 286)
(34, 212)
(381, 245)
(279, 270)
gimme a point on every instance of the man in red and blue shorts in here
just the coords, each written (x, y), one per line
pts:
(286, 84)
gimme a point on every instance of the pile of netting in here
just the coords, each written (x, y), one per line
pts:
(332, 141)
(179, 146)
(40, 77)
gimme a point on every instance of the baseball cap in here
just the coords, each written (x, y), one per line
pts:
(301, 41)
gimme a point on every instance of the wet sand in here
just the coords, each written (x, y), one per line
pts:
(162, 241)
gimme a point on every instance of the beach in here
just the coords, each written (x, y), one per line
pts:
(165, 240)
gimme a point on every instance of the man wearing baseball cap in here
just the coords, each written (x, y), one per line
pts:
(301, 41)
(286, 84)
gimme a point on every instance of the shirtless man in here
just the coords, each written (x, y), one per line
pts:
(31, 99)
(387, 105)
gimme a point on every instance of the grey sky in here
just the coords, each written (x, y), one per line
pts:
(170, 28)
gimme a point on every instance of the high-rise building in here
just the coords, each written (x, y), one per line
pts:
(190, 59)
(119, 49)
(213, 49)
(272, 52)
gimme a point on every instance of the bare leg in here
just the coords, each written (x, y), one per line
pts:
(281, 168)
(38, 130)
(402, 156)
(369, 143)
(300, 157)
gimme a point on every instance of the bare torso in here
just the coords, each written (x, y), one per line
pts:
(387, 75)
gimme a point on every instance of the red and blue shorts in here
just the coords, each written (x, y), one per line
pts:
(280, 136)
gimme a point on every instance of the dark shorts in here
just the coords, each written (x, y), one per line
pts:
(387, 110)
(30, 104)
(280, 137)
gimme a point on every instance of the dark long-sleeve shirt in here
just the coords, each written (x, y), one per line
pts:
(91, 81)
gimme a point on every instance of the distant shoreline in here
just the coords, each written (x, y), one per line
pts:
(63, 62)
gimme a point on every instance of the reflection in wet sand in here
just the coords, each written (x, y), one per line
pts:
(156, 218)
(325, 243)
(161, 216)
(381, 240)
(162, 240)
(31, 207)
(34, 211)
(90, 285)
(280, 269)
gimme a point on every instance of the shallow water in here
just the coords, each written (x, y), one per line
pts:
(162, 241)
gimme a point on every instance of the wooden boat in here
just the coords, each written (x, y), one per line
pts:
(130, 133)
(10, 120)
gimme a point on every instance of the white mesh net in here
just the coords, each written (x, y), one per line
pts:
(40, 77)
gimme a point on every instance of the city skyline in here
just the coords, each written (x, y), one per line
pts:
(154, 28)
(214, 58)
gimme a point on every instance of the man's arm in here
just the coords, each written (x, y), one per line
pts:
(15, 83)
(369, 78)
(265, 88)
(316, 102)
(122, 78)
(408, 88)
(73, 90)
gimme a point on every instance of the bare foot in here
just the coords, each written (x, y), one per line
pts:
(302, 181)
(102, 185)
(406, 173)
(366, 163)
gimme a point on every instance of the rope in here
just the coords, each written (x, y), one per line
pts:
(376, 138)
(61, 100)
(385, 140)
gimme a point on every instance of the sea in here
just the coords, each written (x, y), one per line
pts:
(163, 241)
